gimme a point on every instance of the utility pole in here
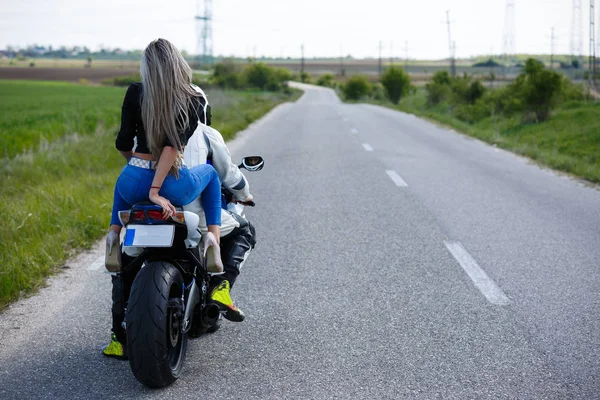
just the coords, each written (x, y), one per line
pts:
(391, 52)
(342, 71)
(406, 53)
(380, 61)
(592, 66)
(302, 63)
(204, 39)
(576, 34)
(552, 48)
(491, 67)
(451, 46)
(508, 45)
(454, 57)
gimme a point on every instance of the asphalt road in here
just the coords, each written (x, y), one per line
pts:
(395, 260)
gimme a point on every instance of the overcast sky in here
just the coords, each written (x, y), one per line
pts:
(279, 27)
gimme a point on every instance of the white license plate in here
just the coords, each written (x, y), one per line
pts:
(149, 235)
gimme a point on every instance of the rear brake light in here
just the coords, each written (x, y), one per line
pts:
(155, 215)
(139, 216)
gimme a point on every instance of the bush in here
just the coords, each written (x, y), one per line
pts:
(535, 92)
(262, 76)
(378, 92)
(465, 90)
(472, 113)
(502, 101)
(357, 87)
(273, 85)
(284, 75)
(572, 91)
(226, 75)
(441, 78)
(438, 90)
(326, 80)
(396, 83)
(540, 89)
(305, 77)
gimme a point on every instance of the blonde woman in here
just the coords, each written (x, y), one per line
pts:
(161, 113)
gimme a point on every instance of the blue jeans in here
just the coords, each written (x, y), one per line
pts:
(134, 184)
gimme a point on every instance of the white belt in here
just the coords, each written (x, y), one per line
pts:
(141, 163)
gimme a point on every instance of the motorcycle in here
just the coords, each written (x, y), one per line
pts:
(169, 297)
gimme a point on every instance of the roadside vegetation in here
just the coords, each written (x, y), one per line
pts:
(541, 114)
(59, 166)
(230, 75)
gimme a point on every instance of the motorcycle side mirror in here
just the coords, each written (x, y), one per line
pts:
(253, 163)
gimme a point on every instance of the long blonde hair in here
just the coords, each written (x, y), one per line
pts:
(166, 96)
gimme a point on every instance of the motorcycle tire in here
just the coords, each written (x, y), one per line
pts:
(156, 346)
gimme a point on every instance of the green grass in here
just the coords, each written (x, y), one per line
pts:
(569, 141)
(35, 113)
(57, 197)
(233, 113)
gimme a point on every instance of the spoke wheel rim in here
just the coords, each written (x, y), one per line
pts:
(174, 334)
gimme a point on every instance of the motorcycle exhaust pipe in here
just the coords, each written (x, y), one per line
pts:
(210, 314)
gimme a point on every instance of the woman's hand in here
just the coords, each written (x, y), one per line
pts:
(168, 208)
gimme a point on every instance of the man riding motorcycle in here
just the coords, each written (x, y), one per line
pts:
(237, 234)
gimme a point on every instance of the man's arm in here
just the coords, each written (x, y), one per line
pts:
(229, 173)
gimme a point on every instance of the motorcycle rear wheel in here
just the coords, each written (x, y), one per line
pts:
(155, 342)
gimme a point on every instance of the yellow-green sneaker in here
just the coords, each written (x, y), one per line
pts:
(115, 349)
(222, 297)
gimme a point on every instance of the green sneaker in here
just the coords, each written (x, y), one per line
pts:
(115, 349)
(222, 297)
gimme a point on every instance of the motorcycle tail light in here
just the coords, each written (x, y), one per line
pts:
(124, 217)
(155, 215)
(179, 216)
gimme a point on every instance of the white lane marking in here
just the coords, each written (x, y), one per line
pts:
(96, 265)
(482, 281)
(367, 147)
(353, 130)
(396, 178)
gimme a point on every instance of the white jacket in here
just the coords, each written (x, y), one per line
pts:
(208, 142)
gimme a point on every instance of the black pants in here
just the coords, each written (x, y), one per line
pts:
(234, 249)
